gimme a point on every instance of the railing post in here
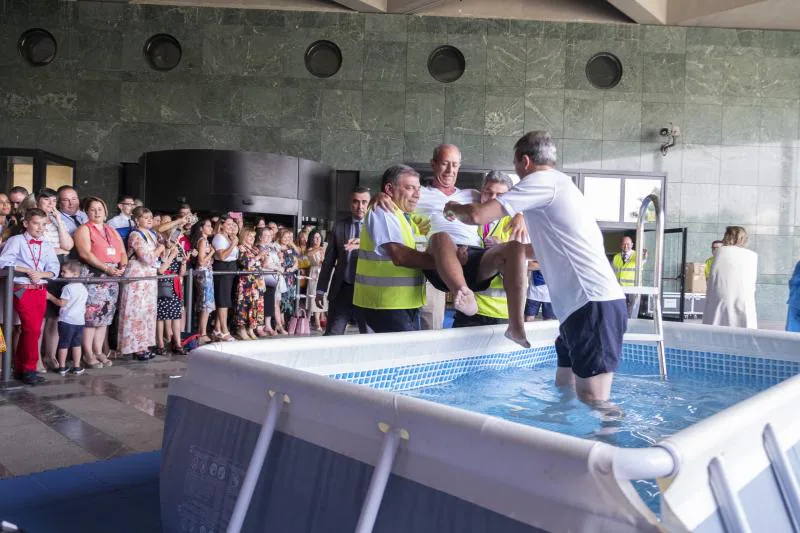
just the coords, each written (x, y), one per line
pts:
(377, 485)
(8, 325)
(188, 296)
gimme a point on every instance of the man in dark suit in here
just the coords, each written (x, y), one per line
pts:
(340, 258)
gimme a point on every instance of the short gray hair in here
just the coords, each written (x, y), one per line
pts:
(393, 174)
(538, 145)
(437, 152)
(495, 176)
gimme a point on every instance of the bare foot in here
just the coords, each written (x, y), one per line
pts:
(518, 337)
(464, 301)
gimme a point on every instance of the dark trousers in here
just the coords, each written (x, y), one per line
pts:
(392, 320)
(463, 321)
(341, 311)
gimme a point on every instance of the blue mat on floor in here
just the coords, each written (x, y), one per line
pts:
(118, 495)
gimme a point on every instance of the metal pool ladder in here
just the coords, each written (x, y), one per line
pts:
(657, 335)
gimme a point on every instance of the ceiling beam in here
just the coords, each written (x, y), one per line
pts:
(687, 10)
(413, 6)
(365, 6)
(643, 11)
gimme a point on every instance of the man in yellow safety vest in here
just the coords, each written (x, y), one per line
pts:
(492, 302)
(624, 264)
(715, 245)
(389, 283)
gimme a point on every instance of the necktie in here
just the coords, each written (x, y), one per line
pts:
(75, 219)
(408, 216)
(34, 241)
(355, 232)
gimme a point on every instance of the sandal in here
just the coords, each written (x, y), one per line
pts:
(178, 350)
(160, 350)
(204, 339)
(92, 364)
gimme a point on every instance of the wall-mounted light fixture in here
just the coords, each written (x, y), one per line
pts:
(671, 133)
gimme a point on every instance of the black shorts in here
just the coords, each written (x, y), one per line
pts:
(464, 321)
(391, 320)
(532, 309)
(474, 256)
(590, 340)
(69, 335)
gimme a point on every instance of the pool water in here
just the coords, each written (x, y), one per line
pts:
(648, 409)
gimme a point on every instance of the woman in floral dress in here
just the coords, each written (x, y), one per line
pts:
(291, 257)
(249, 289)
(137, 307)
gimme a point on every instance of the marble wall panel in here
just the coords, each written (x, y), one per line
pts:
(544, 113)
(160, 103)
(505, 61)
(505, 115)
(342, 148)
(622, 121)
(383, 109)
(425, 111)
(262, 106)
(471, 147)
(583, 119)
(379, 150)
(465, 111)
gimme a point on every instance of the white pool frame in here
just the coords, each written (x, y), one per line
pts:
(544, 479)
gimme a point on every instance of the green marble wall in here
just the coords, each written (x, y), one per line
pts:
(242, 85)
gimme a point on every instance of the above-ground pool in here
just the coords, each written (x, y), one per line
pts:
(484, 441)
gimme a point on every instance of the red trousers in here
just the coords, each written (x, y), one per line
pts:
(30, 307)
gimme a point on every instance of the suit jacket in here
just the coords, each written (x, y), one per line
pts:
(336, 258)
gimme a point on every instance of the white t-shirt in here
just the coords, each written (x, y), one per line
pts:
(221, 243)
(120, 221)
(74, 312)
(384, 228)
(431, 204)
(566, 240)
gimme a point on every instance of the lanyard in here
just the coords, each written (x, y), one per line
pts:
(105, 236)
(35, 260)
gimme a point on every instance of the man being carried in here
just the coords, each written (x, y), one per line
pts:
(568, 244)
(462, 264)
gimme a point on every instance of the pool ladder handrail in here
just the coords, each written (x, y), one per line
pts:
(658, 335)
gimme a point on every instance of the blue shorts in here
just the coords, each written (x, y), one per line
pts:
(391, 320)
(69, 335)
(532, 309)
(590, 340)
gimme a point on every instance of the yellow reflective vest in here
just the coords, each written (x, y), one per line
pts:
(708, 266)
(625, 271)
(493, 302)
(379, 283)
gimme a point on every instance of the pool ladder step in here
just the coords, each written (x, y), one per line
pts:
(657, 335)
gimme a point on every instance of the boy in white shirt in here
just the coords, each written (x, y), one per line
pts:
(568, 244)
(71, 319)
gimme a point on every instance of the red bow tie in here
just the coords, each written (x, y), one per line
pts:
(34, 241)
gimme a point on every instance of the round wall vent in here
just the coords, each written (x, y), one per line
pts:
(163, 52)
(38, 47)
(604, 70)
(323, 59)
(446, 64)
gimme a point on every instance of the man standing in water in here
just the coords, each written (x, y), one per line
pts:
(568, 244)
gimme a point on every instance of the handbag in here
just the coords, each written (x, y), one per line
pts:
(298, 324)
(166, 288)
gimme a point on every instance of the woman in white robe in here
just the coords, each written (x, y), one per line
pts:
(731, 292)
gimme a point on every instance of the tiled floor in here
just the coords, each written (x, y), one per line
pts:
(105, 413)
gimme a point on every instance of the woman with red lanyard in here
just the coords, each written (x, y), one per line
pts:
(102, 253)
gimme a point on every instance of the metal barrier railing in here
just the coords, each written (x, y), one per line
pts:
(8, 274)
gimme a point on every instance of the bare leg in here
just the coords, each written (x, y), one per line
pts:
(445, 255)
(202, 325)
(222, 321)
(76, 356)
(509, 259)
(565, 377)
(88, 343)
(176, 333)
(99, 342)
(160, 334)
(50, 341)
(62, 357)
(594, 389)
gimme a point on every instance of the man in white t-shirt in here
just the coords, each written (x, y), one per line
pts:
(463, 265)
(568, 244)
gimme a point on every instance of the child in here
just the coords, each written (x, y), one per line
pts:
(71, 319)
(35, 262)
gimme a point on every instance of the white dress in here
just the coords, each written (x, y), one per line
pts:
(731, 292)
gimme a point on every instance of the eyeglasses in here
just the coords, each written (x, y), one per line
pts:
(128, 204)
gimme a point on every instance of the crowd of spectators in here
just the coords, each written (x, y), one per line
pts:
(56, 234)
